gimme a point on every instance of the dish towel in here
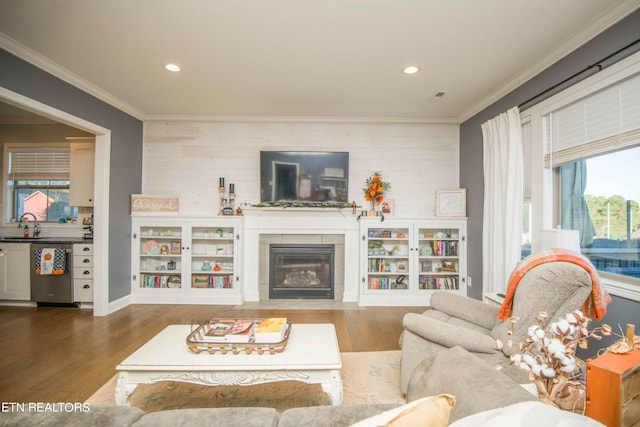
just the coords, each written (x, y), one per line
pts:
(50, 261)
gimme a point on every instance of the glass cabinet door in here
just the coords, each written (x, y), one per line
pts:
(160, 254)
(212, 257)
(438, 259)
(388, 263)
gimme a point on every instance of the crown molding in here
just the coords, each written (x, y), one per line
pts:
(301, 119)
(615, 14)
(34, 58)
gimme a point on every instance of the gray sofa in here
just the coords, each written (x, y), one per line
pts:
(478, 389)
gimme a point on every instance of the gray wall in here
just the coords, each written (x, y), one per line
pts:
(621, 311)
(126, 152)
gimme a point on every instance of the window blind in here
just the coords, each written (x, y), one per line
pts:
(41, 165)
(606, 121)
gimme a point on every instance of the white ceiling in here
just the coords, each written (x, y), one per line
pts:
(308, 58)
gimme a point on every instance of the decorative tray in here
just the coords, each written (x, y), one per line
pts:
(205, 337)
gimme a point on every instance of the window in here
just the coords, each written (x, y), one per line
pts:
(37, 181)
(600, 197)
(594, 150)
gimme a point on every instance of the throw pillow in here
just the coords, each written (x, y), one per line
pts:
(432, 411)
(526, 414)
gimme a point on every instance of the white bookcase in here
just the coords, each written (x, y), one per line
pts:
(405, 260)
(186, 260)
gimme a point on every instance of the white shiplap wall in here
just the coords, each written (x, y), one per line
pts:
(187, 158)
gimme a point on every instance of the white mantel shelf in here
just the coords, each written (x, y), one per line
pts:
(304, 211)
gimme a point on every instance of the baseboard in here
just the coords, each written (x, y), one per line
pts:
(119, 304)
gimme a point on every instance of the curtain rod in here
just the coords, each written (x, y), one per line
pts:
(622, 53)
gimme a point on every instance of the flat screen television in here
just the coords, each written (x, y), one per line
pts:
(304, 176)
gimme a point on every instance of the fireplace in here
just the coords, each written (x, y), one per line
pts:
(301, 271)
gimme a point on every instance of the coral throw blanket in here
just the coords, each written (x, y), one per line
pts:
(595, 306)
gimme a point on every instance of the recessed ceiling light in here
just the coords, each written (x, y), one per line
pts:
(172, 67)
(411, 69)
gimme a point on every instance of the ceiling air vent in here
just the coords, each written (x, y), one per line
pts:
(438, 96)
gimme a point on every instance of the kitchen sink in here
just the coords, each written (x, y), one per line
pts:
(41, 239)
(19, 238)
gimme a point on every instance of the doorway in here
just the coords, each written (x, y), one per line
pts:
(101, 187)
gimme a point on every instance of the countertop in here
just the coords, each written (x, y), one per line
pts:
(11, 239)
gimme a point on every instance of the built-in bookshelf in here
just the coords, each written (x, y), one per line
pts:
(186, 260)
(159, 250)
(212, 257)
(404, 261)
(439, 258)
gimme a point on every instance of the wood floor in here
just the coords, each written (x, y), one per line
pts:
(65, 354)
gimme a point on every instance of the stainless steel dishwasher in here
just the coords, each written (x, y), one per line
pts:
(50, 288)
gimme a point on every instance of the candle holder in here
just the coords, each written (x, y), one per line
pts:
(222, 200)
(226, 203)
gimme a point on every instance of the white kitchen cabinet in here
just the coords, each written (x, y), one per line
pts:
(186, 260)
(15, 274)
(83, 272)
(82, 159)
(405, 260)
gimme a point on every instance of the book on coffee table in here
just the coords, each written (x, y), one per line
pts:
(240, 331)
(271, 330)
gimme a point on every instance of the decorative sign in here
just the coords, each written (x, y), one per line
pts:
(451, 202)
(141, 203)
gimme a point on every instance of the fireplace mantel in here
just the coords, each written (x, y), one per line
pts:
(299, 221)
(273, 220)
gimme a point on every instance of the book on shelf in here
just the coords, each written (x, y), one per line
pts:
(440, 283)
(271, 330)
(383, 282)
(444, 247)
(426, 266)
(208, 281)
(240, 331)
(154, 281)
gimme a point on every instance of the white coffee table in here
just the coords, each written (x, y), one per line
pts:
(311, 356)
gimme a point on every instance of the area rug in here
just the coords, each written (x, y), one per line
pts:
(367, 377)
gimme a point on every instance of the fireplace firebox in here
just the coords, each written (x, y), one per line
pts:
(300, 271)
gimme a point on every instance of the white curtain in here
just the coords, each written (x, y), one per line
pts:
(503, 199)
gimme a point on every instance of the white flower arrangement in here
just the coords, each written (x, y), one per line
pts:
(550, 357)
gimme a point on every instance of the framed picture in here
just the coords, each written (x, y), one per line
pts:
(176, 247)
(451, 202)
(199, 281)
(387, 208)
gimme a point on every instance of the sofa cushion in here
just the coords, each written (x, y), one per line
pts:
(220, 417)
(433, 411)
(455, 321)
(476, 385)
(95, 416)
(526, 414)
(472, 311)
(449, 334)
(334, 416)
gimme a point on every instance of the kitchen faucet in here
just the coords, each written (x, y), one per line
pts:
(36, 226)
